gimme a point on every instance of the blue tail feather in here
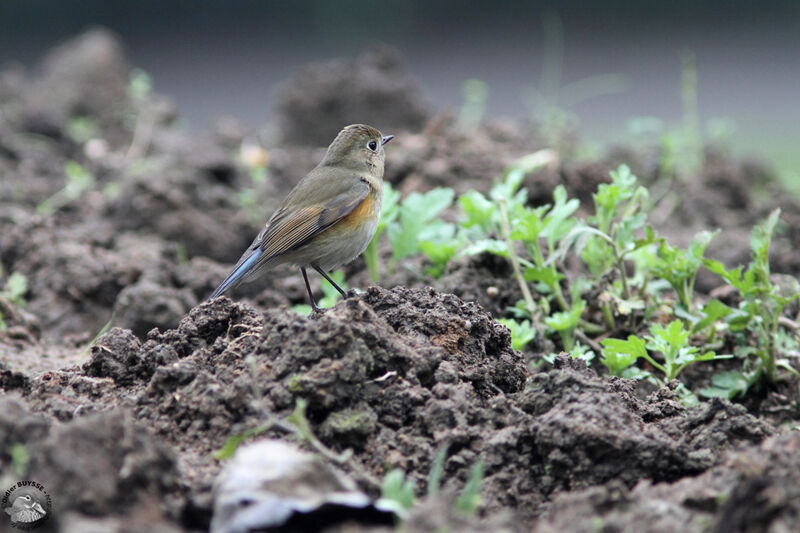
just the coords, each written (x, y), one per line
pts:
(236, 276)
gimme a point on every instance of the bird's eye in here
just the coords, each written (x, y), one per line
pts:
(372, 145)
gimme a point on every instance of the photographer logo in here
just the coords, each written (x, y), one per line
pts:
(27, 505)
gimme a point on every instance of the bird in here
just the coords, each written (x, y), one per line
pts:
(25, 509)
(328, 218)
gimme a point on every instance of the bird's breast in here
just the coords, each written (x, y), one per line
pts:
(368, 210)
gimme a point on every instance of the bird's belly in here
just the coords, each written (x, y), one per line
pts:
(344, 241)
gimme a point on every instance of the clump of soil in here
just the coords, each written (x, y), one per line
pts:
(121, 431)
(318, 99)
(394, 376)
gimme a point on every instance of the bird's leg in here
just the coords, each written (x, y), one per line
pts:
(314, 308)
(326, 276)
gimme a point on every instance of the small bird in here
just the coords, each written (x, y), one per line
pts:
(329, 217)
(25, 510)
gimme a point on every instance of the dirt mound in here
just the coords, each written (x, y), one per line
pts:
(317, 100)
(753, 490)
(98, 464)
(394, 376)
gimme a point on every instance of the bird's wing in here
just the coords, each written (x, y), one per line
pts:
(290, 228)
(26, 516)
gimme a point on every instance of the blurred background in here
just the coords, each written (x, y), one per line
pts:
(619, 69)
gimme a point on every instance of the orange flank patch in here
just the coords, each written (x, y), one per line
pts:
(360, 215)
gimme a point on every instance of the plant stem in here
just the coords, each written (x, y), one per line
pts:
(505, 227)
(371, 258)
(623, 274)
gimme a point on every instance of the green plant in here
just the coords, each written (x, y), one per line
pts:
(15, 289)
(762, 304)
(470, 498)
(13, 292)
(440, 249)
(550, 100)
(233, 442)
(437, 469)
(692, 155)
(389, 212)
(255, 159)
(610, 238)
(475, 93)
(672, 342)
(416, 222)
(20, 459)
(78, 182)
(521, 332)
(80, 129)
(330, 294)
(627, 275)
(679, 267)
(397, 493)
(140, 88)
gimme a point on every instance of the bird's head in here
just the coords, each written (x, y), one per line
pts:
(358, 147)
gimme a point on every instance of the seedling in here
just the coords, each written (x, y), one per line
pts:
(397, 493)
(470, 498)
(437, 469)
(255, 160)
(679, 267)
(416, 222)
(475, 93)
(672, 342)
(521, 332)
(13, 292)
(762, 301)
(389, 212)
(78, 182)
(440, 248)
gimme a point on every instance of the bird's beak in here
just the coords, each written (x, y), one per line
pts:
(386, 139)
(39, 508)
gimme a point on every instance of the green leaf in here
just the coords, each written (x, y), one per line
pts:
(140, 85)
(712, 311)
(566, 320)
(233, 442)
(619, 354)
(726, 385)
(521, 332)
(548, 275)
(390, 208)
(437, 469)
(559, 221)
(440, 252)
(478, 210)
(509, 188)
(397, 494)
(526, 224)
(416, 212)
(761, 237)
(470, 498)
(492, 246)
(15, 289)
(674, 334)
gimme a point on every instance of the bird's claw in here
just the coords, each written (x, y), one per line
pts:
(316, 312)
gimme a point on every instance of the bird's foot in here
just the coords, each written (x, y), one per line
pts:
(317, 311)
